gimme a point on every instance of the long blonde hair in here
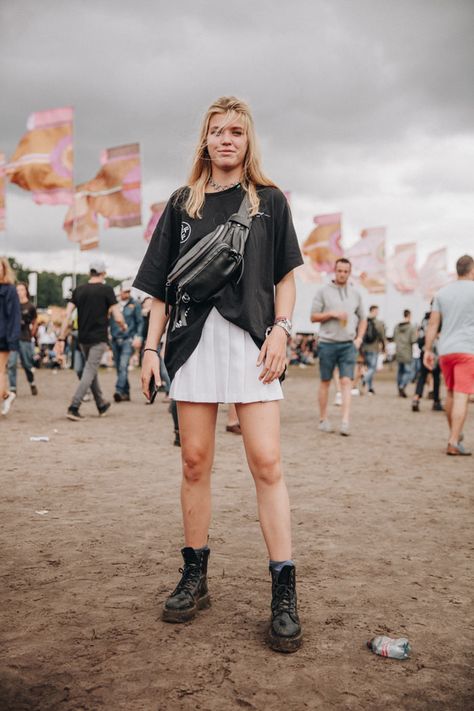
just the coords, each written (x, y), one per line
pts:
(201, 169)
(7, 275)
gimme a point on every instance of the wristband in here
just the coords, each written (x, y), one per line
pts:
(61, 340)
(151, 349)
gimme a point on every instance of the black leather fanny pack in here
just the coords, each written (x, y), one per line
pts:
(209, 265)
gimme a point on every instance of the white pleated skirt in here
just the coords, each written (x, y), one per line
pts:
(223, 368)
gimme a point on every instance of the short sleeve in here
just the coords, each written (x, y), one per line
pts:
(317, 307)
(74, 297)
(361, 310)
(436, 306)
(287, 255)
(161, 253)
(110, 297)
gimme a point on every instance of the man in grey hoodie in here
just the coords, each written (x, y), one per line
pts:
(338, 308)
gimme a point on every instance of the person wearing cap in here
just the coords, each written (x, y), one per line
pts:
(93, 301)
(124, 342)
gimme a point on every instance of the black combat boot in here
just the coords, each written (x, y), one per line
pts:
(285, 630)
(191, 593)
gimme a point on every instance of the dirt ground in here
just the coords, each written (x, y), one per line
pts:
(383, 542)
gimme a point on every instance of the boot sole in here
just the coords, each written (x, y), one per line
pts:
(286, 645)
(178, 616)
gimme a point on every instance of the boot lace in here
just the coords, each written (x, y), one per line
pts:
(189, 580)
(284, 599)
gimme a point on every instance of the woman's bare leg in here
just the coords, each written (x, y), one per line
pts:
(260, 424)
(197, 425)
(3, 374)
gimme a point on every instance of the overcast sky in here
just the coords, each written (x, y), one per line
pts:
(361, 106)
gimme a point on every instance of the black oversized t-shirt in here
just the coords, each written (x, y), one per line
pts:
(28, 315)
(271, 252)
(93, 302)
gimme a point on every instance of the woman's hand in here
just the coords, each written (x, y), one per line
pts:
(150, 366)
(273, 355)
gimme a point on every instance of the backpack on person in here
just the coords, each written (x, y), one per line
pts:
(209, 265)
(371, 334)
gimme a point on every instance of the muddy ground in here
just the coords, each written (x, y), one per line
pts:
(383, 542)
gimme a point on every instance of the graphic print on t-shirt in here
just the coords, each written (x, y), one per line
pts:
(185, 232)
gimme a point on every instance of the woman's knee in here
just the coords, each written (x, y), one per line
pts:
(266, 468)
(196, 464)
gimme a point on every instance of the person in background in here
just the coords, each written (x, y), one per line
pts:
(10, 319)
(93, 301)
(453, 313)
(424, 372)
(339, 309)
(124, 342)
(404, 336)
(372, 345)
(26, 349)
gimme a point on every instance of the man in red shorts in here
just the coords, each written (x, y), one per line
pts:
(453, 313)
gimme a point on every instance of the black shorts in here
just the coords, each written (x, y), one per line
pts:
(4, 346)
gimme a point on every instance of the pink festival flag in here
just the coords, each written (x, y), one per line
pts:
(43, 160)
(401, 268)
(323, 244)
(81, 223)
(2, 192)
(368, 259)
(434, 273)
(115, 192)
(156, 212)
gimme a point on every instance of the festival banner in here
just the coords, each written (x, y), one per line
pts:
(43, 160)
(368, 259)
(81, 222)
(2, 192)
(308, 273)
(115, 192)
(433, 274)
(401, 268)
(156, 212)
(323, 244)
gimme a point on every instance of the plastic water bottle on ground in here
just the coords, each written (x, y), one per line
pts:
(389, 647)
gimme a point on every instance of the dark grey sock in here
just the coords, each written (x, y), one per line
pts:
(277, 565)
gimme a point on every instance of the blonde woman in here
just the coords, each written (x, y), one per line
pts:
(231, 349)
(9, 328)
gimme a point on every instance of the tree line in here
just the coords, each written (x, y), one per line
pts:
(50, 290)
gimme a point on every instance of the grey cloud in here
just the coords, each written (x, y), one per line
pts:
(340, 89)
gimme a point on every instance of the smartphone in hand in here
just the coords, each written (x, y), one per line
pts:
(153, 389)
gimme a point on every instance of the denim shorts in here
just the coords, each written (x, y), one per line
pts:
(343, 355)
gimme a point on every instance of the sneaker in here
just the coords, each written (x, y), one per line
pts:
(118, 397)
(325, 426)
(34, 389)
(355, 391)
(345, 429)
(456, 450)
(191, 593)
(402, 393)
(103, 409)
(371, 391)
(338, 399)
(438, 407)
(284, 634)
(74, 414)
(415, 405)
(7, 403)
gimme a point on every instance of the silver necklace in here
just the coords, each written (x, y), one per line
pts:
(219, 188)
